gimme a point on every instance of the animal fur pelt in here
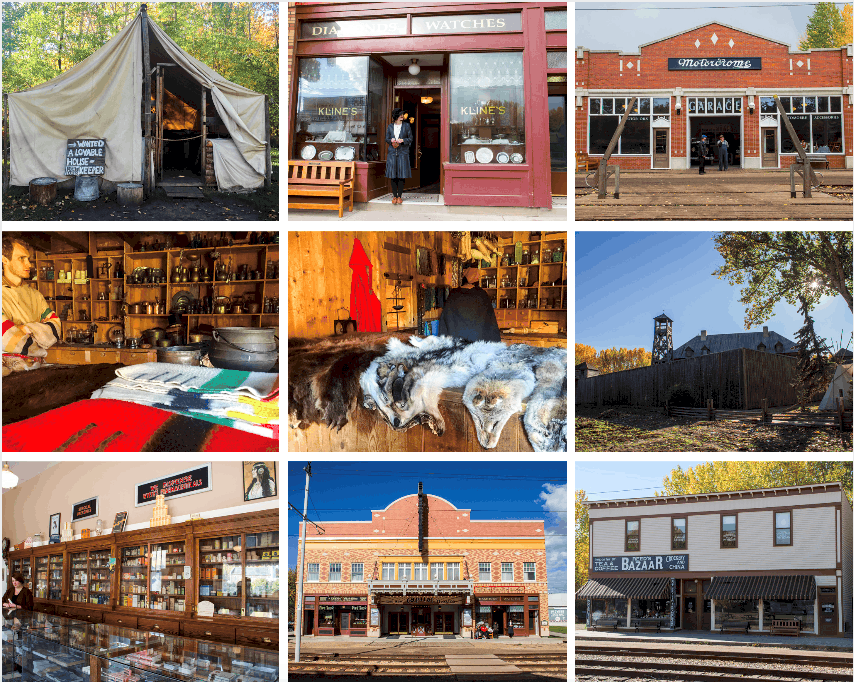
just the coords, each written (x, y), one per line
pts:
(545, 416)
(323, 377)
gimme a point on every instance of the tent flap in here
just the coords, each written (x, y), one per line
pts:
(841, 382)
(232, 170)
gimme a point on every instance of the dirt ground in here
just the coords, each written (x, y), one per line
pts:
(626, 429)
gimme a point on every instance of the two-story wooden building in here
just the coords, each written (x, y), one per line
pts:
(423, 567)
(745, 557)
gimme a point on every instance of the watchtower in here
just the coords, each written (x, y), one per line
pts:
(662, 340)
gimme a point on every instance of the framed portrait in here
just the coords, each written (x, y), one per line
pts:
(259, 480)
(119, 523)
(54, 524)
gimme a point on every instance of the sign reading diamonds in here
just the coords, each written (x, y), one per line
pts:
(718, 64)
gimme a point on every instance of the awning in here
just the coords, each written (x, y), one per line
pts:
(622, 588)
(762, 587)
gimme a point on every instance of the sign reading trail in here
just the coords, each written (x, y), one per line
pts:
(85, 157)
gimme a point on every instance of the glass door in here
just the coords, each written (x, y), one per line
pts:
(168, 562)
(661, 153)
(558, 140)
(26, 570)
(221, 574)
(769, 147)
(79, 576)
(262, 575)
(54, 582)
(41, 577)
(99, 577)
(134, 573)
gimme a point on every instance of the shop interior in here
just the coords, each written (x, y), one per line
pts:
(712, 127)
(119, 300)
(175, 570)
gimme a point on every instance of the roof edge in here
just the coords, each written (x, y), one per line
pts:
(682, 498)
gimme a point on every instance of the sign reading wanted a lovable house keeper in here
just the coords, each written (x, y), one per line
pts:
(85, 157)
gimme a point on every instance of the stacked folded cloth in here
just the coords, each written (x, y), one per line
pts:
(248, 401)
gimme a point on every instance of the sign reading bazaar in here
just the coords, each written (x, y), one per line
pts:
(649, 562)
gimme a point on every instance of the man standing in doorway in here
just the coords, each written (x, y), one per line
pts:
(723, 153)
(701, 153)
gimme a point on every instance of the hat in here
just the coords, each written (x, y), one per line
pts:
(471, 275)
(703, 136)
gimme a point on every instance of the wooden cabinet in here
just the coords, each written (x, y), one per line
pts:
(264, 639)
(120, 619)
(104, 356)
(171, 627)
(204, 630)
(137, 357)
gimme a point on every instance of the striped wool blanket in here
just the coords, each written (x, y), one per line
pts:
(157, 376)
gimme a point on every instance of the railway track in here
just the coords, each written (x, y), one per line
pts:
(697, 672)
(717, 655)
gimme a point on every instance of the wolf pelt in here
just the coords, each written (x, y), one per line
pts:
(404, 385)
(546, 416)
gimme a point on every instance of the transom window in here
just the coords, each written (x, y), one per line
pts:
(484, 570)
(729, 530)
(453, 571)
(632, 536)
(783, 528)
(529, 570)
(714, 105)
(357, 573)
(680, 534)
(388, 571)
(507, 572)
(421, 572)
(313, 573)
(335, 573)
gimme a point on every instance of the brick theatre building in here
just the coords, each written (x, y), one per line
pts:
(424, 567)
(714, 79)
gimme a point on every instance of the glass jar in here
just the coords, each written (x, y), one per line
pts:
(526, 257)
(535, 257)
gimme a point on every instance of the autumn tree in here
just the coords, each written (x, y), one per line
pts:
(846, 30)
(612, 359)
(712, 477)
(814, 367)
(775, 266)
(292, 595)
(585, 353)
(824, 28)
(582, 535)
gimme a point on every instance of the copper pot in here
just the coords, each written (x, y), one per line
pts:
(254, 308)
(135, 309)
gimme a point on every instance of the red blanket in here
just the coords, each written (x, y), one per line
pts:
(117, 426)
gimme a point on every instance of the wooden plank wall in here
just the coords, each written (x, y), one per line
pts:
(769, 376)
(319, 275)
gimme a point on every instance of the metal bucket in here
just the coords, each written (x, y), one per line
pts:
(245, 348)
(180, 355)
(86, 187)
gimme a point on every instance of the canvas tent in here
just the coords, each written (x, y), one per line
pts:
(102, 97)
(841, 382)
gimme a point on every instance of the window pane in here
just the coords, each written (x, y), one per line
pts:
(421, 572)
(314, 571)
(354, 28)
(602, 129)
(729, 537)
(357, 572)
(701, 106)
(556, 20)
(487, 104)
(620, 105)
(376, 125)
(644, 105)
(507, 572)
(827, 133)
(728, 105)
(334, 573)
(332, 103)
(484, 572)
(437, 571)
(797, 105)
(710, 105)
(635, 137)
(692, 105)
(679, 533)
(608, 105)
(661, 105)
(809, 105)
(719, 105)
(388, 571)
(783, 530)
(786, 103)
(595, 105)
(636, 106)
(836, 104)
(801, 124)
(453, 571)
(404, 571)
(632, 532)
(555, 59)
(766, 105)
(738, 105)
(557, 132)
(529, 570)
(824, 104)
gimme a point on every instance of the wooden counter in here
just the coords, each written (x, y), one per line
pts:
(66, 354)
(539, 340)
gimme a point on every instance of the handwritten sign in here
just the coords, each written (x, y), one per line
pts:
(85, 157)
(85, 509)
(188, 482)
(645, 562)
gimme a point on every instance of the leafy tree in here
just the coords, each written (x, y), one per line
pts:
(584, 353)
(824, 28)
(612, 359)
(746, 475)
(846, 31)
(582, 536)
(814, 367)
(292, 594)
(778, 266)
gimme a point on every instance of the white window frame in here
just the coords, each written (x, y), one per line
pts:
(618, 150)
(525, 571)
(441, 566)
(512, 571)
(404, 571)
(331, 579)
(421, 571)
(316, 571)
(386, 565)
(453, 567)
(480, 571)
(354, 573)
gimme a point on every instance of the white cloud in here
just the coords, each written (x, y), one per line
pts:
(554, 503)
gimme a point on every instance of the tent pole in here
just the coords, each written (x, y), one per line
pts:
(146, 63)
(159, 132)
(269, 162)
(204, 138)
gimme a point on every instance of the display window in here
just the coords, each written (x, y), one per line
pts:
(90, 577)
(221, 573)
(802, 610)
(262, 575)
(41, 578)
(133, 589)
(651, 608)
(168, 561)
(54, 582)
(741, 610)
(516, 615)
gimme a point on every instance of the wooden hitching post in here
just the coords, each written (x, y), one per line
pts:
(146, 70)
(204, 119)
(603, 164)
(269, 161)
(809, 176)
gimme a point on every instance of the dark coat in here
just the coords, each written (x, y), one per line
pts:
(468, 314)
(24, 599)
(397, 160)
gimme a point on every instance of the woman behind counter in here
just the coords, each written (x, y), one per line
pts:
(18, 595)
(399, 137)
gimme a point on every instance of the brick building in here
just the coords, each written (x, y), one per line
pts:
(422, 566)
(714, 79)
(750, 559)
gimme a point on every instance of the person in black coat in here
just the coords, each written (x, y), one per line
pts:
(468, 312)
(702, 149)
(399, 137)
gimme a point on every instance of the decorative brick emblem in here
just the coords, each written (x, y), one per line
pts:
(630, 65)
(799, 63)
(697, 43)
(714, 39)
(731, 43)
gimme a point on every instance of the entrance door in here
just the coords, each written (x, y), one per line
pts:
(444, 623)
(398, 623)
(769, 147)
(308, 622)
(421, 624)
(661, 157)
(689, 604)
(557, 137)
(425, 120)
(345, 623)
(706, 622)
(827, 612)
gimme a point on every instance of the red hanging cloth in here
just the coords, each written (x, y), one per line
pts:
(365, 307)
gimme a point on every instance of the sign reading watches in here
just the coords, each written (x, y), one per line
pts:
(461, 23)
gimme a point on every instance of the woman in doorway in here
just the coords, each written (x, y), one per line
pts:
(399, 137)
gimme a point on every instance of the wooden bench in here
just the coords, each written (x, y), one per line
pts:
(333, 179)
(818, 158)
(647, 624)
(607, 622)
(732, 624)
(584, 162)
(786, 626)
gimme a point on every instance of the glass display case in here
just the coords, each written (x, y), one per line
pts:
(25, 567)
(79, 576)
(54, 581)
(99, 576)
(166, 585)
(40, 591)
(262, 575)
(221, 574)
(133, 590)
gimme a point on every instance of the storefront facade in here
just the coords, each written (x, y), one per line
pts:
(713, 80)
(423, 567)
(484, 86)
(692, 562)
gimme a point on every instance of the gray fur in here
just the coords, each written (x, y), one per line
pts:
(496, 394)
(546, 416)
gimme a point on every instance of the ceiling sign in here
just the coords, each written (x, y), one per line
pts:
(715, 64)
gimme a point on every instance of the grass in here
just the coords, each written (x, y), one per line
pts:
(557, 628)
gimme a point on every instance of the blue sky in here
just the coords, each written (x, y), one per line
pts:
(624, 279)
(608, 480)
(643, 22)
(348, 490)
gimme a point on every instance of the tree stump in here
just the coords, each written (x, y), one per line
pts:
(43, 190)
(129, 193)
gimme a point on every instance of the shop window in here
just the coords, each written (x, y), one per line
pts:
(327, 616)
(797, 105)
(783, 528)
(620, 105)
(644, 105)
(421, 572)
(680, 534)
(836, 104)
(651, 608)
(741, 610)
(357, 573)
(608, 105)
(800, 609)
(556, 20)
(314, 573)
(635, 137)
(507, 571)
(767, 106)
(335, 573)
(786, 103)
(595, 106)
(729, 530)
(454, 570)
(336, 108)
(557, 132)
(404, 571)
(801, 124)
(529, 571)
(823, 104)
(437, 571)
(632, 536)
(487, 108)
(516, 615)
(602, 129)
(556, 59)
(827, 133)
(375, 130)
(358, 616)
(809, 105)
(388, 571)
(636, 106)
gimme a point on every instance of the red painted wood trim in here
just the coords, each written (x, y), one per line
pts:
(456, 42)
(535, 65)
(355, 10)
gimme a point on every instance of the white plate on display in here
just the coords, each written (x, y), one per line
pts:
(503, 157)
(345, 154)
(469, 157)
(501, 141)
(308, 152)
(325, 155)
(484, 155)
(517, 158)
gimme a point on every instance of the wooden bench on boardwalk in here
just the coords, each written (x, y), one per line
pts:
(732, 624)
(647, 624)
(322, 180)
(607, 623)
(786, 626)
(818, 158)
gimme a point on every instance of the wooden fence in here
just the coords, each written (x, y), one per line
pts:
(785, 416)
(737, 379)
